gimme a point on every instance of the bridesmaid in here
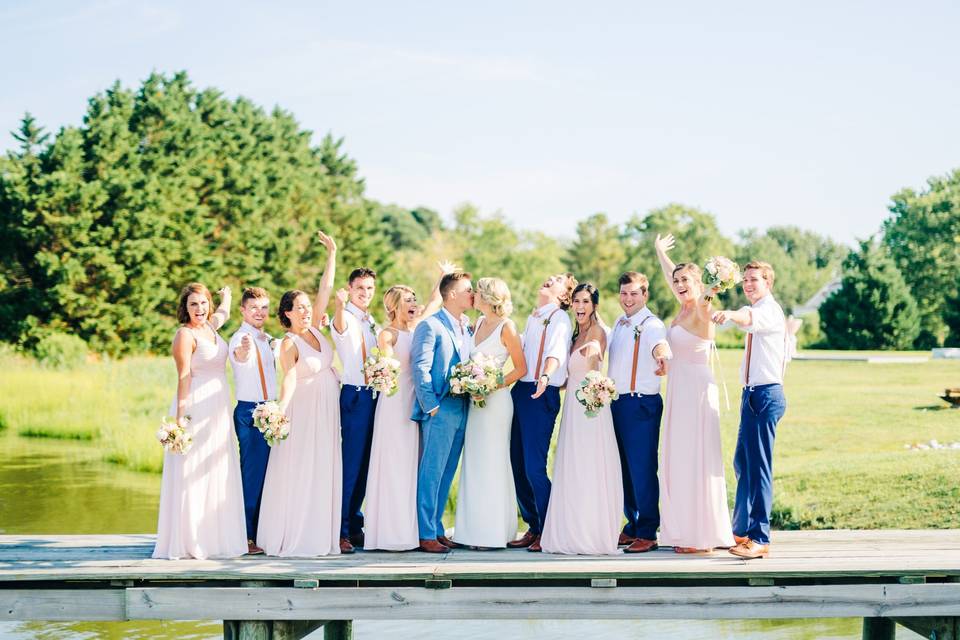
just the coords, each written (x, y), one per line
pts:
(390, 515)
(693, 494)
(487, 500)
(300, 509)
(201, 495)
(586, 504)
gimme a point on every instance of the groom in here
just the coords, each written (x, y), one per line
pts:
(439, 343)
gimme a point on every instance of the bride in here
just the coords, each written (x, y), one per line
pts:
(486, 501)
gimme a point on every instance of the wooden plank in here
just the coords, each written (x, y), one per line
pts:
(622, 603)
(62, 604)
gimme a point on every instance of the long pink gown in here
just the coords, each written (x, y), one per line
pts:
(586, 503)
(693, 494)
(390, 516)
(201, 493)
(300, 509)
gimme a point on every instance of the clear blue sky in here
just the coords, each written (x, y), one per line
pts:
(762, 113)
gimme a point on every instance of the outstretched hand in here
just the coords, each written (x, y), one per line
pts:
(342, 296)
(327, 241)
(224, 293)
(664, 243)
(446, 267)
(719, 317)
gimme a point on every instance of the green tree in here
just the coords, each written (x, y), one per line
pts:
(873, 309)
(923, 236)
(597, 253)
(697, 238)
(102, 225)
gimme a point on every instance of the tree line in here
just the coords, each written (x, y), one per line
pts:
(102, 223)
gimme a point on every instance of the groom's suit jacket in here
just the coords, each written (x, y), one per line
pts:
(433, 355)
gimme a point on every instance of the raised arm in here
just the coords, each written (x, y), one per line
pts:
(183, 346)
(511, 340)
(326, 280)
(340, 303)
(663, 245)
(288, 360)
(385, 342)
(436, 300)
(222, 314)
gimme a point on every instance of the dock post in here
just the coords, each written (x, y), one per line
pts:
(338, 630)
(879, 629)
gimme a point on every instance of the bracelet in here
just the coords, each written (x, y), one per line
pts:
(542, 376)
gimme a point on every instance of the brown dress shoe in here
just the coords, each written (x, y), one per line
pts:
(739, 539)
(525, 541)
(345, 546)
(356, 539)
(751, 550)
(535, 547)
(253, 549)
(625, 540)
(447, 542)
(432, 546)
(642, 546)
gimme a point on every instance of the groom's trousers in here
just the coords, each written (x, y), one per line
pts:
(357, 410)
(254, 454)
(636, 423)
(761, 407)
(441, 441)
(530, 434)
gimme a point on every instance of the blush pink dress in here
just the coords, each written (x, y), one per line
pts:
(201, 494)
(586, 503)
(390, 515)
(300, 510)
(693, 493)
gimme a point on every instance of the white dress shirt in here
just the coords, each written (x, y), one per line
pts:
(246, 375)
(359, 330)
(556, 345)
(621, 349)
(768, 353)
(461, 336)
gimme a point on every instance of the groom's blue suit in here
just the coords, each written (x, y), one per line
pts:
(433, 355)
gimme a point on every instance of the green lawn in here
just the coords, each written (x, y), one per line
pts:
(840, 457)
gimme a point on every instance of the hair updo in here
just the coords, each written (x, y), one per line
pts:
(495, 293)
(392, 298)
(286, 304)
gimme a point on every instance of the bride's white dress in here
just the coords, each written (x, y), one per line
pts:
(486, 500)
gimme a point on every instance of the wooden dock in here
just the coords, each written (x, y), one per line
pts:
(908, 577)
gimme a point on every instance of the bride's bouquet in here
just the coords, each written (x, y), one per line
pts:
(596, 392)
(722, 273)
(479, 376)
(382, 373)
(173, 435)
(271, 422)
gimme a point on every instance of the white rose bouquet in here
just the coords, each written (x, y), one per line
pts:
(478, 377)
(722, 273)
(271, 422)
(596, 392)
(173, 435)
(382, 373)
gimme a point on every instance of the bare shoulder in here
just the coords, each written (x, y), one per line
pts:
(510, 327)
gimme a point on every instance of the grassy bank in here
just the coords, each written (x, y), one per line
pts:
(840, 457)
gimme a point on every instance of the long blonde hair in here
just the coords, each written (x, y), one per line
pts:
(392, 298)
(495, 293)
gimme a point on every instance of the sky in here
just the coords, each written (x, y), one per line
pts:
(761, 113)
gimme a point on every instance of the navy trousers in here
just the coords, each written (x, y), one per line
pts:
(254, 454)
(761, 408)
(357, 408)
(636, 422)
(441, 438)
(530, 434)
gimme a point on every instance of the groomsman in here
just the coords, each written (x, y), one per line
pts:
(255, 381)
(536, 402)
(761, 407)
(355, 336)
(638, 356)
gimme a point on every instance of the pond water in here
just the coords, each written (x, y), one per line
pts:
(62, 487)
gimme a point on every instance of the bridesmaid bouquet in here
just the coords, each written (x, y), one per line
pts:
(479, 376)
(721, 272)
(271, 422)
(595, 392)
(173, 435)
(382, 373)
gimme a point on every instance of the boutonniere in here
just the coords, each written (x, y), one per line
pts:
(546, 321)
(470, 329)
(637, 330)
(373, 327)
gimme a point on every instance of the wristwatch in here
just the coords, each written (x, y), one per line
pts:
(542, 376)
